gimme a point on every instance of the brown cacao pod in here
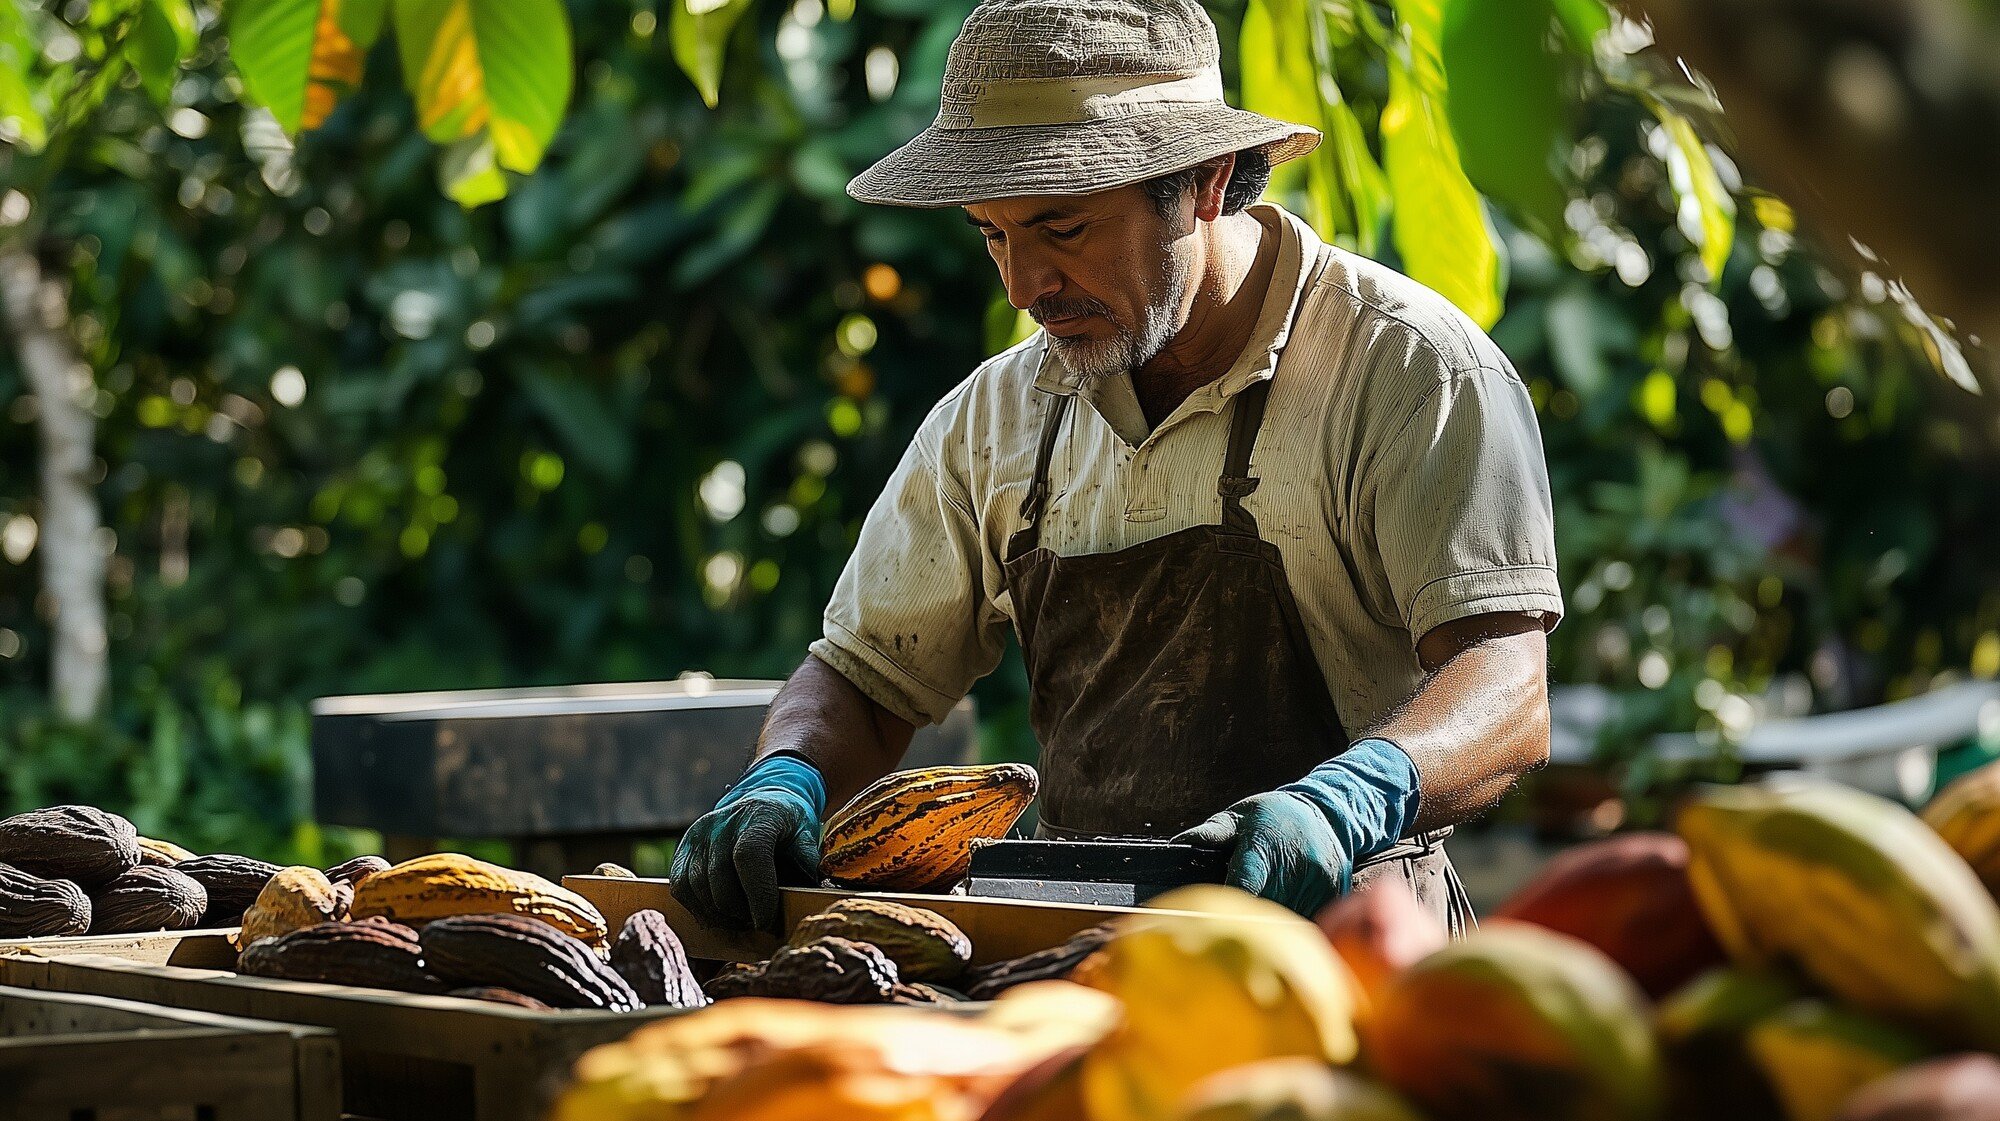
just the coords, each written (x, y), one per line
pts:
(1517, 1023)
(377, 954)
(1053, 964)
(917, 992)
(1954, 1088)
(295, 898)
(526, 955)
(82, 844)
(737, 978)
(32, 907)
(496, 995)
(913, 830)
(161, 854)
(1630, 897)
(1380, 930)
(925, 945)
(352, 872)
(446, 884)
(147, 898)
(829, 970)
(232, 883)
(648, 954)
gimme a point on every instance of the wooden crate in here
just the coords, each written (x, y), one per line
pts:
(403, 1057)
(159, 947)
(67, 1057)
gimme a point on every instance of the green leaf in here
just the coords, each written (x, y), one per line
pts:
(1582, 22)
(298, 58)
(1441, 229)
(19, 108)
(699, 31)
(162, 37)
(1706, 213)
(1508, 109)
(491, 70)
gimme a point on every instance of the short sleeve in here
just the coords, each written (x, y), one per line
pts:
(910, 622)
(1462, 515)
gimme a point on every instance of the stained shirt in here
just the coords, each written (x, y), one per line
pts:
(1401, 469)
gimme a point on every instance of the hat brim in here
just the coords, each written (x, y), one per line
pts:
(958, 167)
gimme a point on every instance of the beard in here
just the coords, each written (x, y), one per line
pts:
(1130, 345)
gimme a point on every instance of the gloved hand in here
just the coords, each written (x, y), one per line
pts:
(1297, 845)
(725, 868)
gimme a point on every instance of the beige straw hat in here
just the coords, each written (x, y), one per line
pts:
(1065, 97)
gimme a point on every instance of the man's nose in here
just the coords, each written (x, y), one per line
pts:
(1028, 277)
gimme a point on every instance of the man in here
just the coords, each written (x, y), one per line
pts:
(1243, 494)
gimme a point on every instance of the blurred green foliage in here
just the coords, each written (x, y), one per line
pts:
(624, 423)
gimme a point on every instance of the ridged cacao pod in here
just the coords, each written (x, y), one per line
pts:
(1380, 929)
(1955, 1088)
(1292, 1090)
(829, 970)
(1702, 1027)
(737, 978)
(1816, 1056)
(526, 955)
(295, 898)
(147, 898)
(495, 995)
(1628, 896)
(1967, 815)
(925, 945)
(32, 907)
(1517, 1023)
(1856, 894)
(82, 844)
(161, 854)
(376, 954)
(1261, 983)
(917, 992)
(352, 872)
(913, 830)
(446, 884)
(649, 955)
(1053, 964)
(232, 882)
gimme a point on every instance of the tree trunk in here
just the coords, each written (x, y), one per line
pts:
(73, 563)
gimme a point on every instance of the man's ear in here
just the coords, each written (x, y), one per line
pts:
(1210, 185)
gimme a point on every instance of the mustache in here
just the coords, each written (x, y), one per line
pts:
(1057, 308)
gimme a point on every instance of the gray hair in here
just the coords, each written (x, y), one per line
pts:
(1247, 181)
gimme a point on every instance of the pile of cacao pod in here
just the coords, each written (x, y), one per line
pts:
(1794, 951)
(449, 923)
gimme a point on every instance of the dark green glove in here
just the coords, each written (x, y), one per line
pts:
(1297, 844)
(727, 865)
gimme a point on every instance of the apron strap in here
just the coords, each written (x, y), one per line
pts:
(1236, 482)
(1029, 536)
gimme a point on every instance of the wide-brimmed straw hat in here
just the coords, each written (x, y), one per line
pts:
(1065, 97)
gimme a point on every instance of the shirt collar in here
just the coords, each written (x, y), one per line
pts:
(1298, 249)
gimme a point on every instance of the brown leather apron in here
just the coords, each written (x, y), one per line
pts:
(1171, 679)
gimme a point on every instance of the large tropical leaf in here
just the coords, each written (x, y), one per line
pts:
(1706, 212)
(18, 107)
(163, 34)
(699, 31)
(1508, 107)
(491, 79)
(1441, 230)
(298, 58)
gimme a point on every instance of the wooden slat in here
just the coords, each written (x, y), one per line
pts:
(159, 947)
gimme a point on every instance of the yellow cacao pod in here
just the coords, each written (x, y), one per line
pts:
(1856, 894)
(1517, 1023)
(1967, 815)
(294, 898)
(447, 883)
(913, 830)
(164, 854)
(1293, 1090)
(1244, 979)
(1815, 1056)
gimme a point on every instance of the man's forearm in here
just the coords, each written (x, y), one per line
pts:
(1480, 721)
(822, 716)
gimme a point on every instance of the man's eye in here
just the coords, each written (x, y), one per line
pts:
(993, 237)
(1065, 235)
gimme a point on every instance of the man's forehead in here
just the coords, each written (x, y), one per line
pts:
(1034, 210)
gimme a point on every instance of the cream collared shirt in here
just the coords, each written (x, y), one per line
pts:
(1402, 481)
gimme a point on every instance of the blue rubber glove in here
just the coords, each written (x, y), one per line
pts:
(726, 867)
(1297, 845)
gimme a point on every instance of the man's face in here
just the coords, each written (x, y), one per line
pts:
(1103, 273)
